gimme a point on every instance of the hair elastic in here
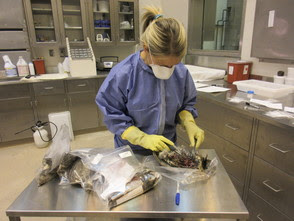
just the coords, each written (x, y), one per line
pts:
(157, 16)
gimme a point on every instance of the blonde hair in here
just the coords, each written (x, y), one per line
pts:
(164, 36)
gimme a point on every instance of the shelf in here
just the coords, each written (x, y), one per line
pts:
(72, 12)
(101, 12)
(101, 28)
(126, 13)
(73, 28)
(44, 27)
(42, 11)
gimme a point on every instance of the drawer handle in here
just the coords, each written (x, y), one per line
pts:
(272, 145)
(228, 125)
(48, 88)
(82, 85)
(228, 158)
(259, 217)
(272, 188)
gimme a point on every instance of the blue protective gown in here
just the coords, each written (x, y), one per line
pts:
(132, 96)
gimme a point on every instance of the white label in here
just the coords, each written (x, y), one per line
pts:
(231, 70)
(245, 70)
(97, 158)
(271, 18)
(125, 154)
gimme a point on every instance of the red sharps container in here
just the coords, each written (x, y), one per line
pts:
(239, 70)
(39, 65)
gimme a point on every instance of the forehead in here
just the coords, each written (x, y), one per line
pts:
(166, 60)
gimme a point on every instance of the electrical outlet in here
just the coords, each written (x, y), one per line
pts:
(62, 52)
(51, 52)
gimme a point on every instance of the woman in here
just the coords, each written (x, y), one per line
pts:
(149, 92)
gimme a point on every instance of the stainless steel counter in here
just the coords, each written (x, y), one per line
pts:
(222, 99)
(214, 198)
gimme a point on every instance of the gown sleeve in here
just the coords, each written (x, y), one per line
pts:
(112, 98)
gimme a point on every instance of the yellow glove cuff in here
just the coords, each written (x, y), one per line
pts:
(128, 131)
(185, 117)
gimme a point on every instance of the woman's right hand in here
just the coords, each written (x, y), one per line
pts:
(152, 142)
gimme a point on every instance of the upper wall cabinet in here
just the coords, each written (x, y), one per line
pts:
(106, 22)
(42, 21)
(273, 30)
(73, 20)
(114, 22)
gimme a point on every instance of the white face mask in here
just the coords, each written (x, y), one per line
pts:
(161, 72)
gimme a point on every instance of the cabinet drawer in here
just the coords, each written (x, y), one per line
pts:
(14, 91)
(260, 210)
(273, 185)
(231, 125)
(80, 85)
(237, 185)
(233, 158)
(49, 88)
(276, 146)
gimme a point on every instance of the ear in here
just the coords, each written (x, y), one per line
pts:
(145, 48)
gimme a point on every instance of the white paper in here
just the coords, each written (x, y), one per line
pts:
(96, 159)
(199, 85)
(125, 154)
(212, 89)
(269, 104)
(289, 109)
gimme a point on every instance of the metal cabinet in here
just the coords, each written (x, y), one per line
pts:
(84, 111)
(261, 210)
(114, 22)
(231, 125)
(16, 112)
(272, 177)
(273, 185)
(49, 97)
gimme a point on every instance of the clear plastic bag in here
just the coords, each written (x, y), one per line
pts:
(185, 176)
(115, 175)
(59, 146)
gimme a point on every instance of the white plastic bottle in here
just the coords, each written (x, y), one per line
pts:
(10, 69)
(32, 68)
(22, 67)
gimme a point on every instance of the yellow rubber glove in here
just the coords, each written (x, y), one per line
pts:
(193, 131)
(153, 142)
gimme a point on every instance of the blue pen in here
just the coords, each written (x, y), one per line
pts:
(178, 194)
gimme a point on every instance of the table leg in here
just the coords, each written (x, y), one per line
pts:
(14, 218)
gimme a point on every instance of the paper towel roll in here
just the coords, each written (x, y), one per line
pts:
(279, 79)
(289, 81)
(290, 73)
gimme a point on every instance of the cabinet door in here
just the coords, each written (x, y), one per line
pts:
(273, 30)
(127, 17)
(101, 20)
(50, 104)
(73, 22)
(83, 110)
(42, 20)
(16, 115)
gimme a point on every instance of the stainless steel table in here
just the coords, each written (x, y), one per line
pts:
(214, 198)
